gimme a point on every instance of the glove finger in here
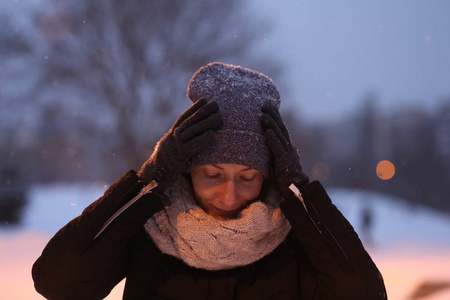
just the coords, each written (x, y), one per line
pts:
(210, 123)
(274, 144)
(191, 110)
(275, 114)
(203, 113)
(269, 124)
(199, 142)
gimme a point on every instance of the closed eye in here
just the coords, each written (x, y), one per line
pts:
(247, 179)
(212, 176)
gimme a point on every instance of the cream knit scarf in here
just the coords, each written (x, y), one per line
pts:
(185, 231)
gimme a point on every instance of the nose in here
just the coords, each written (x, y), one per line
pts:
(228, 195)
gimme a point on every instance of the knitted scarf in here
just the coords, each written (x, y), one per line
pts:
(186, 231)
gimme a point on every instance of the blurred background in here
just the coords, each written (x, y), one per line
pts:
(88, 87)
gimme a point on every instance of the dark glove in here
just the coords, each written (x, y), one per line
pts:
(191, 132)
(285, 160)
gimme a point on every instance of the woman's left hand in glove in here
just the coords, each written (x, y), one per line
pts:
(285, 160)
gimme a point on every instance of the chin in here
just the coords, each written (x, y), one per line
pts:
(226, 216)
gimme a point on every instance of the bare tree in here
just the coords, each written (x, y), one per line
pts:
(17, 77)
(123, 66)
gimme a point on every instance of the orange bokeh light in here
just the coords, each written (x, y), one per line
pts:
(385, 169)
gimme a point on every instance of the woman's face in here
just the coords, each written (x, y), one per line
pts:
(223, 190)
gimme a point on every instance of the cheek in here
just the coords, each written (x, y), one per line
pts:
(203, 194)
(249, 192)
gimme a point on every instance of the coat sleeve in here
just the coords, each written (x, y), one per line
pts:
(338, 265)
(75, 266)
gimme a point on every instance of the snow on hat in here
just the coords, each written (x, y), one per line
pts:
(240, 94)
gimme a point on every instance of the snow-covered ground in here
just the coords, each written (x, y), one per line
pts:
(410, 245)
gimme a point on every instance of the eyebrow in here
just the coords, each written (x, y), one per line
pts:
(216, 166)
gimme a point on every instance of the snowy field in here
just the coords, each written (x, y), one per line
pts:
(410, 245)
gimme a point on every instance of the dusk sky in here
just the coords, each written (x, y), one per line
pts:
(337, 52)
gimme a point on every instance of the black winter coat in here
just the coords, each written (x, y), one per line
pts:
(322, 257)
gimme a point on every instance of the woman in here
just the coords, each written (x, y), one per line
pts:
(221, 210)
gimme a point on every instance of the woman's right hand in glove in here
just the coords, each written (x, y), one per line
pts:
(192, 132)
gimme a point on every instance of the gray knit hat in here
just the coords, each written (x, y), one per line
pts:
(240, 94)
